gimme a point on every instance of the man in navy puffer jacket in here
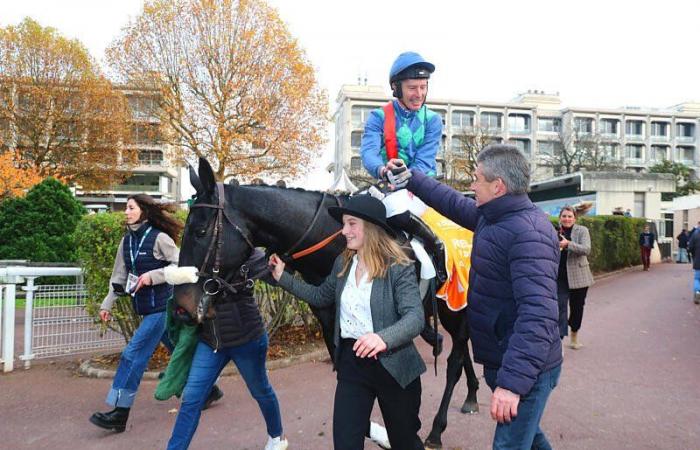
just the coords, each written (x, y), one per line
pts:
(512, 308)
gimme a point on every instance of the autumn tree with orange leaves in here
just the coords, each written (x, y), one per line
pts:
(58, 115)
(14, 181)
(235, 87)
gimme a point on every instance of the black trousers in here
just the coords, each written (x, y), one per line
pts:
(577, 300)
(360, 382)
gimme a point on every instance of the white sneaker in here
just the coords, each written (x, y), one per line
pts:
(276, 443)
(379, 436)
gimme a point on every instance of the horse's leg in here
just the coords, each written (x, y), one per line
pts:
(454, 372)
(470, 405)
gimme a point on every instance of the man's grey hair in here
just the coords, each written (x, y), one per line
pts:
(507, 163)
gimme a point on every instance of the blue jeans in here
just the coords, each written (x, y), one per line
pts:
(524, 432)
(683, 255)
(134, 359)
(696, 281)
(206, 366)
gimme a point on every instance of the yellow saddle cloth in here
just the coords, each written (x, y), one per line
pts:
(458, 248)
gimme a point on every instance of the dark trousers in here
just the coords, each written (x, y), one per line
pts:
(646, 253)
(360, 382)
(577, 300)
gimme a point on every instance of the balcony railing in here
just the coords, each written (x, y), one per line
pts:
(136, 188)
(634, 137)
(685, 139)
(520, 132)
(634, 161)
(609, 136)
(660, 138)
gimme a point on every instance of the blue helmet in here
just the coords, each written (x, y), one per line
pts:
(410, 65)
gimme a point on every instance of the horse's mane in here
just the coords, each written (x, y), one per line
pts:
(267, 187)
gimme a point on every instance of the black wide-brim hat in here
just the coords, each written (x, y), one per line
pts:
(366, 208)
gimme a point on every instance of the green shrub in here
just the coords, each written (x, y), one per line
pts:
(614, 241)
(39, 227)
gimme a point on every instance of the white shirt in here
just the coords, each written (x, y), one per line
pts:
(355, 311)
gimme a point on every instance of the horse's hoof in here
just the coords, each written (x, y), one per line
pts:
(470, 408)
(431, 444)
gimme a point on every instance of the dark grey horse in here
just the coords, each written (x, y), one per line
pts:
(276, 218)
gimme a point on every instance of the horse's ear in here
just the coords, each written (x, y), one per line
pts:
(206, 176)
(194, 180)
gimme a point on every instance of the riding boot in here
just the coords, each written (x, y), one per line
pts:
(573, 341)
(215, 394)
(114, 420)
(433, 338)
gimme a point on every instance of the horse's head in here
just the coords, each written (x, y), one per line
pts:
(214, 240)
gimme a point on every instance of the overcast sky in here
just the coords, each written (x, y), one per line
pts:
(601, 54)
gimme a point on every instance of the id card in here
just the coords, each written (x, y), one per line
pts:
(131, 282)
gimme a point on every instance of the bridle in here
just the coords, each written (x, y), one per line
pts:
(213, 284)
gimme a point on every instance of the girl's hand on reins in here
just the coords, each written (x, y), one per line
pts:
(276, 266)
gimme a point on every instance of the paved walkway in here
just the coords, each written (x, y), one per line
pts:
(633, 386)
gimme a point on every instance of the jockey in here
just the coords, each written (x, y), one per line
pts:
(417, 130)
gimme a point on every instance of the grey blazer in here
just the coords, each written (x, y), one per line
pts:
(578, 270)
(397, 314)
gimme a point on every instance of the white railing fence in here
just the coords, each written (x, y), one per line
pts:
(55, 320)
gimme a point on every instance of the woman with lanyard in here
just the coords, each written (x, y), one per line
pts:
(146, 249)
(374, 289)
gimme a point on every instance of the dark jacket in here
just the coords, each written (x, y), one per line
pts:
(237, 318)
(513, 310)
(647, 238)
(694, 249)
(682, 240)
(138, 251)
(397, 314)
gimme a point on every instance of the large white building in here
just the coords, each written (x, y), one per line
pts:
(158, 173)
(534, 121)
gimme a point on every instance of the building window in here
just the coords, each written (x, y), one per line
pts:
(355, 164)
(612, 151)
(686, 154)
(145, 134)
(519, 123)
(142, 107)
(356, 140)
(634, 153)
(634, 128)
(462, 119)
(443, 115)
(549, 124)
(141, 182)
(639, 204)
(658, 153)
(360, 114)
(583, 125)
(609, 126)
(545, 148)
(491, 120)
(659, 129)
(523, 145)
(685, 132)
(150, 157)
(685, 220)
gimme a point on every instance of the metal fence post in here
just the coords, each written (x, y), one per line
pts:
(28, 323)
(8, 328)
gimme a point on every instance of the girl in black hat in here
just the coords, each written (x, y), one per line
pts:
(378, 313)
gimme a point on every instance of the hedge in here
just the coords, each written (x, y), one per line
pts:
(614, 241)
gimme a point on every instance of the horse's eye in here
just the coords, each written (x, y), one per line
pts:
(201, 232)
